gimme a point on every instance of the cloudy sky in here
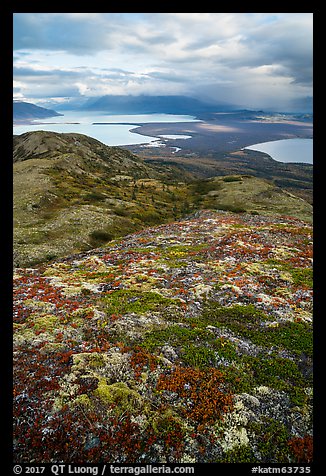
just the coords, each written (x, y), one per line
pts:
(254, 60)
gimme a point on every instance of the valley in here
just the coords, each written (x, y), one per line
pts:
(228, 132)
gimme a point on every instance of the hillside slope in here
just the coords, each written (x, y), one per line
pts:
(186, 342)
(73, 193)
(23, 111)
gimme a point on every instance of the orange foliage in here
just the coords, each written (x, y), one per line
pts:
(302, 449)
(203, 391)
(140, 360)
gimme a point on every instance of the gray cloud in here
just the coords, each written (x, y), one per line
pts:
(257, 56)
(55, 31)
(27, 72)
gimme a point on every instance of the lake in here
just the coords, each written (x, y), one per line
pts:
(287, 150)
(113, 130)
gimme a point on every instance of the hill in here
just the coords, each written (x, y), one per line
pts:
(27, 111)
(73, 193)
(187, 342)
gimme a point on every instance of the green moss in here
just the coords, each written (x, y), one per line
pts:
(275, 371)
(247, 372)
(247, 313)
(48, 323)
(84, 401)
(302, 277)
(169, 428)
(239, 378)
(96, 360)
(296, 337)
(298, 396)
(166, 422)
(119, 395)
(196, 346)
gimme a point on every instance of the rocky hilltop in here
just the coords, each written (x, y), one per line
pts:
(71, 193)
(184, 342)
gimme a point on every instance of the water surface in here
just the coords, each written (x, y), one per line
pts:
(287, 150)
(113, 130)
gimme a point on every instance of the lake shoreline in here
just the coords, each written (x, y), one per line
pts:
(220, 134)
(292, 150)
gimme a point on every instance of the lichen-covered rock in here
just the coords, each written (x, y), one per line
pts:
(187, 342)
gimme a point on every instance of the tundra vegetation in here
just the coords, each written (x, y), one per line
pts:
(185, 341)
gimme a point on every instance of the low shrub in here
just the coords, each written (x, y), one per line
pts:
(100, 236)
(232, 178)
(302, 449)
(203, 393)
(198, 356)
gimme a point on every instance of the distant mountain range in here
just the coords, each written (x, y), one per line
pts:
(142, 104)
(28, 111)
(153, 104)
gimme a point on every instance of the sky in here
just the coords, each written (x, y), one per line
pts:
(252, 60)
